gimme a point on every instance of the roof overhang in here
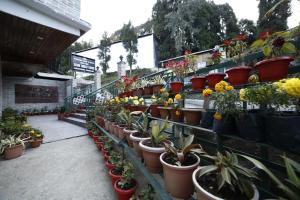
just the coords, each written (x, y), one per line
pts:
(53, 76)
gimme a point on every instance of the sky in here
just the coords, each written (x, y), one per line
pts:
(110, 15)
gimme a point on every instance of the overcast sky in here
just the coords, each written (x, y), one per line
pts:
(110, 15)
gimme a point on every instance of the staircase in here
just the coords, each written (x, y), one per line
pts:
(78, 118)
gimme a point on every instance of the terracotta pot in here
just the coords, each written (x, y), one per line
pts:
(148, 90)
(178, 179)
(164, 112)
(151, 156)
(109, 165)
(198, 83)
(106, 122)
(154, 111)
(202, 194)
(135, 141)
(273, 69)
(124, 194)
(106, 155)
(140, 92)
(114, 177)
(90, 133)
(116, 130)
(238, 75)
(36, 143)
(60, 116)
(142, 108)
(130, 93)
(127, 135)
(214, 78)
(156, 88)
(99, 145)
(176, 87)
(13, 152)
(134, 92)
(131, 108)
(121, 131)
(122, 95)
(192, 115)
(111, 127)
(96, 138)
(174, 116)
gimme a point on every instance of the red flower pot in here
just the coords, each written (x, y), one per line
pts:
(156, 88)
(198, 83)
(106, 156)
(90, 133)
(109, 165)
(273, 69)
(142, 108)
(96, 138)
(176, 87)
(114, 177)
(125, 194)
(238, 75)
(154, 111)
(148, 90)
(214, 78)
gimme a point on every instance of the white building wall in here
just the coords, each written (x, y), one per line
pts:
(9, 93)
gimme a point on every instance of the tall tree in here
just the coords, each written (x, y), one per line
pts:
(228, 20)
(130, 42)
(248, 28)
(277, 21)
(104, 52)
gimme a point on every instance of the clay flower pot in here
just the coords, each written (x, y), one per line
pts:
(109, 165)
(156, 88)
(13, 152)
(115, 130)
(121, 131)
(273, 69)
(238, 75)
(106, 122)
(154, 111)
(36, 143)
(202, 194)
(192, 115)
(127, 135)
(198, 83)
(125, 194)
(214, 78)
(164, 112)
(176, 87)
(148, 90)
(114, 177)
(151, 156)
(141, 108)
(135, 141)
(178, 179)
(90, 133)
(174, 116)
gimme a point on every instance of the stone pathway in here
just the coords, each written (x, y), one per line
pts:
(62, 170)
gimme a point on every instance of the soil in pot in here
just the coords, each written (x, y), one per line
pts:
(164, 112)
(13, 152)
(214, 78)
(238, 75)
(154, 111)
(178, 179)
(156, 88)
(136, 138)
(125, 193)
(192, 115)
(115, 175)
(176, 87)
(198, 83)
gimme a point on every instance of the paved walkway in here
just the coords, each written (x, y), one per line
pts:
(54, 129)
(62, 170)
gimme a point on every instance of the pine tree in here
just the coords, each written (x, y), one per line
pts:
(104, 50)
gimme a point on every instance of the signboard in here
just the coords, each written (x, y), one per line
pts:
(36, 94)
(82, 64)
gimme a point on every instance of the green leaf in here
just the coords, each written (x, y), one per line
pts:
(267, 51)
(225, 175)
(288, 48)
(291, 172)
(207, 169)
(188, 141)
(257, 44)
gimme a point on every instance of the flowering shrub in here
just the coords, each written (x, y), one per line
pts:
(125, 83)
(161, 98)
(236, 47)
(180, 68)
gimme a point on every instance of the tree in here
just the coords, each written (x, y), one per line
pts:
(104, 50)
(247, 27)
(145, 28)
(229, 26)
(277, 21)
(130, 41)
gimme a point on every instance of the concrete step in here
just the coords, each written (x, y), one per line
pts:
(78, 115)
(81, 110)
(76, 121)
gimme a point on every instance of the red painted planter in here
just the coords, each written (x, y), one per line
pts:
(124, 194)
(156, 88)
(214, 78)
(90, 133)
(198, 83)
(109, 165)
(142, 108)
(114, 177)
(106, 156)
(96, 138)
(154, 111)
(176, 87)
(238, 75)
(273, 69)
(148, 90)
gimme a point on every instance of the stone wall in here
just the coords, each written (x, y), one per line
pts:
(70, 8)
(9, 93)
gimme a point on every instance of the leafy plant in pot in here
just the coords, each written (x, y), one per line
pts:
(126, 186)
(163, 102)
(113, 159)
(175, 111)
(61, 113)
(11, 146)
(141, 134)
(158, 100)
(116, 172)
(278, 50)
(158, 83)
(225, 178)
(36, 138)
(146, 194)
(107, 149)
(152, 148)
(179, 165)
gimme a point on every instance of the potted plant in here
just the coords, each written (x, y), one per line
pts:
(160, 103)
(158, 83)
(214, 78)
(126, 186)
(146, 194)
(179, 165)
(278, 49)
(12, 147)
(113, 159)
(141, 134)
(61, 113)
(152, 148)
(36, 138)
(175, 111)
(225, 178)
(180, 69)
(116, 172)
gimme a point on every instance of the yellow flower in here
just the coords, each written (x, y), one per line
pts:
(219, 87)
(229, 87)
(153, 97)
(135, 97)
(178, 97)
(218, 116)
(32, 131)
(141, 99)
(170, 100)
(162, 90)
(130, 97)
(126, 99)
(223, 83)
(166, 103)
(243, 95)
(136, 102)
(118, 101)
(207, 92)
(291, 86)
(177, 113)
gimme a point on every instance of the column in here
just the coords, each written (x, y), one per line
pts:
(97, 79)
